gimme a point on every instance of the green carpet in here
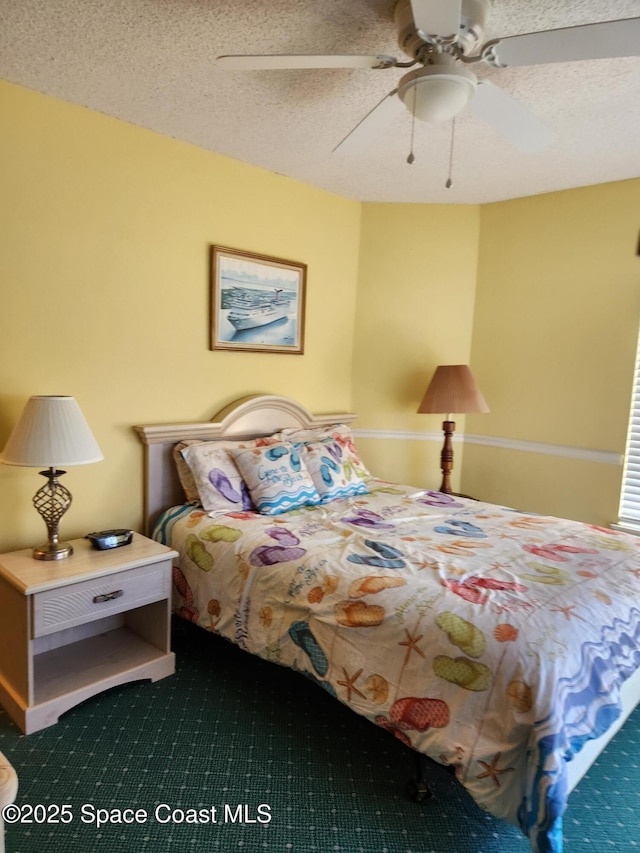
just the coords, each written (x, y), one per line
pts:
(229, 729)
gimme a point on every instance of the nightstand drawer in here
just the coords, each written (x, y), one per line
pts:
(78, 603)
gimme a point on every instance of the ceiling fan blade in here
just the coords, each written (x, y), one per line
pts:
(591, 41)
(372, 125)
(510, 118)
(286, 61)
(437, 17)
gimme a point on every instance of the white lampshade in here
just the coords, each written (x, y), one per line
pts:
(52, 432)
(437, 92)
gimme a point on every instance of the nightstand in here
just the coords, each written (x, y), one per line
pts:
(72, 628)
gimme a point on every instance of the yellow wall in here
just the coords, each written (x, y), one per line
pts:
(415, 310)
(105, 231)
(554, 340)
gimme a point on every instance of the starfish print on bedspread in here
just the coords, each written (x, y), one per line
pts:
(493, 771)
(567, 612)
(412, 645)
(349, 683)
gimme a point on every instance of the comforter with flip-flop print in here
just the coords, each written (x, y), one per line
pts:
(491, 640)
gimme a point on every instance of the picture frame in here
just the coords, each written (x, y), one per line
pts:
(257, 302)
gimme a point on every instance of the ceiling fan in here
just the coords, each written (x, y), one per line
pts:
(442, 38)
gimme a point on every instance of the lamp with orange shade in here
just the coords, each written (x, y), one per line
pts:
(451, 390)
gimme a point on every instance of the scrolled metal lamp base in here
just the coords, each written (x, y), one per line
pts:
(52, 501)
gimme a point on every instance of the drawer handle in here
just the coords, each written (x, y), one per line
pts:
(108, 596)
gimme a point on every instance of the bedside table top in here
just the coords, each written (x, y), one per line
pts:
(29, 575)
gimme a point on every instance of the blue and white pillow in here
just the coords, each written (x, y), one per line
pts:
(332, 471)
(341, 433)
(276, 477)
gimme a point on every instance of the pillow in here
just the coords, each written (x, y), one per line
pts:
(297, 434)
(220, 488)
(276, 478)
(332, 472)
(340, 433)
(184, 472)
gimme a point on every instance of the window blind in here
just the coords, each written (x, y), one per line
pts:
(629, 515)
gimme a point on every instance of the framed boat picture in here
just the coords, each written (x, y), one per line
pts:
(257, 302)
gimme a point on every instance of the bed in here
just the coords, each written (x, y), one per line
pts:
(503, 644)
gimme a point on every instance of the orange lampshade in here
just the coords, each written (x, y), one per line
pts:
(452, 389)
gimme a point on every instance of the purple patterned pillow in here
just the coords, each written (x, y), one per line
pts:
(217, 480)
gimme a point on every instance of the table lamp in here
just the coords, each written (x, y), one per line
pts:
(452, 389)
(51, 432)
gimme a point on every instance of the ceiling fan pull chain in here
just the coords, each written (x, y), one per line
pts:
(449, 182)
(411, 158)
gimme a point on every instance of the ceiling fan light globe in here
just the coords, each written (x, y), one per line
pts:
(434, 95)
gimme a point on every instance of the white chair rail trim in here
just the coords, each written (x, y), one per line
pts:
(606, 457)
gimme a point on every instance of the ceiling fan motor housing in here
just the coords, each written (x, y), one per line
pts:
(471, 31)
(437, 92)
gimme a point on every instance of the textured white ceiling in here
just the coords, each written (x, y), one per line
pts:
(151, 63)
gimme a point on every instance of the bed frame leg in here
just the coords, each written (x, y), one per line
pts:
(417, 788)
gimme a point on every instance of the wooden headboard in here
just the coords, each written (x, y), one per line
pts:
(248, 417)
